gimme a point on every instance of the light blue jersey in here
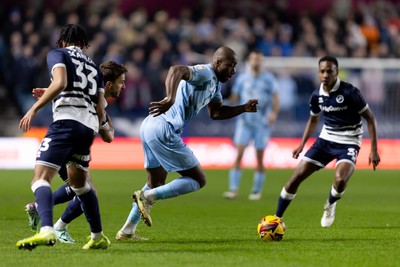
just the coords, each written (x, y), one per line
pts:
(192, 95)
(261, 87)
(160, 135)
(254, 126)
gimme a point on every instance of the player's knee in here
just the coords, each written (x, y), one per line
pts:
(340, 183)
(154, 184)
(202, 181)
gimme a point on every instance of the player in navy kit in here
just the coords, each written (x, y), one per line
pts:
(76, 83)
(114, 81)
(343, 106)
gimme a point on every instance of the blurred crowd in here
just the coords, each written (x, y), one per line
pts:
(148, 39)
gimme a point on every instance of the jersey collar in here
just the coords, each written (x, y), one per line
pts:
(74, 47)
(335, 88)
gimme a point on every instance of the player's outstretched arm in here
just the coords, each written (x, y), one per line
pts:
(218, 111)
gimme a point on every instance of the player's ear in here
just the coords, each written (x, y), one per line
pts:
(108, 84)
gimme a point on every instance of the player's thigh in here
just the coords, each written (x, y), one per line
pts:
(344, 170)
(346, 156)
(169, 151)
(77, 177)
(43, 172)
(320, 153)
(261, 138)
(55, 147)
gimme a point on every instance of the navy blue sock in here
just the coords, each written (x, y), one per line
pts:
(333, 199)
(44, 200)
(90, 205)
(72, 211)
(63, 194)
(282, 206)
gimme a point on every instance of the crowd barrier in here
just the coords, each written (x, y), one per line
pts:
(213, 153)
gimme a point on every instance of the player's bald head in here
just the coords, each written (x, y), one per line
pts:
(224, 62)
(224, 53)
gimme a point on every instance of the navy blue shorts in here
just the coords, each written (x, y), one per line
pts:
(66, 142)
(322, 152)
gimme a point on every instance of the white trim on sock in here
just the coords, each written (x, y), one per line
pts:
(46, 229)
(335, 193)
(286, 195)
(39, 183)
(83, 190)
(96, 236)
(149, 195)
(128, 228)
(60, 225)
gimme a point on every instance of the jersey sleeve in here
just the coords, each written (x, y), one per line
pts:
(218, 95)
(100, 81)
(315, 110)
(55, 58)
(359, 102)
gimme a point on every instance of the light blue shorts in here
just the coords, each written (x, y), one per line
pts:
(163, 146)
(245, 133)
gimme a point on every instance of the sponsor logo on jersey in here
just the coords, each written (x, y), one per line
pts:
(331, 108)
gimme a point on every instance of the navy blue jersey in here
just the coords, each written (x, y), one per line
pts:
(79, 99)
(341, 109)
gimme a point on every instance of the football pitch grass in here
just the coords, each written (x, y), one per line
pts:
(203, 229)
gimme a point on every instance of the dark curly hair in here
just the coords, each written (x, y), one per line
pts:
(73, 34)
(330, 59)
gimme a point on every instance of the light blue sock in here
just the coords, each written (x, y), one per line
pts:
(134, 215)
(258, 182)
(179, 186)
(234, 179)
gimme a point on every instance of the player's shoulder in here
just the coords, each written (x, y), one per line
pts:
(201, 72)
(57, 51)
(347, 87)
(202, 67)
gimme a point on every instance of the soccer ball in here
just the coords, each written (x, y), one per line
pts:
(271, 228)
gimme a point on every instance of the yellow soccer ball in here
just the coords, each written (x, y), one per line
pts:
(271, 228)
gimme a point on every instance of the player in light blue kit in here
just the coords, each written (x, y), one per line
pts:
(343, 106)
(189, 89)
(254, 82)
(76, 84)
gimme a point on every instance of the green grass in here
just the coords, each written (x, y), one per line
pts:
(203, 229)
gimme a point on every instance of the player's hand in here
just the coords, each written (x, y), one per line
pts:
(374, 159)
(26, 121)
(251, 105)
(272, 117)
(38, 92)
(296, 152)
(160, 107)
